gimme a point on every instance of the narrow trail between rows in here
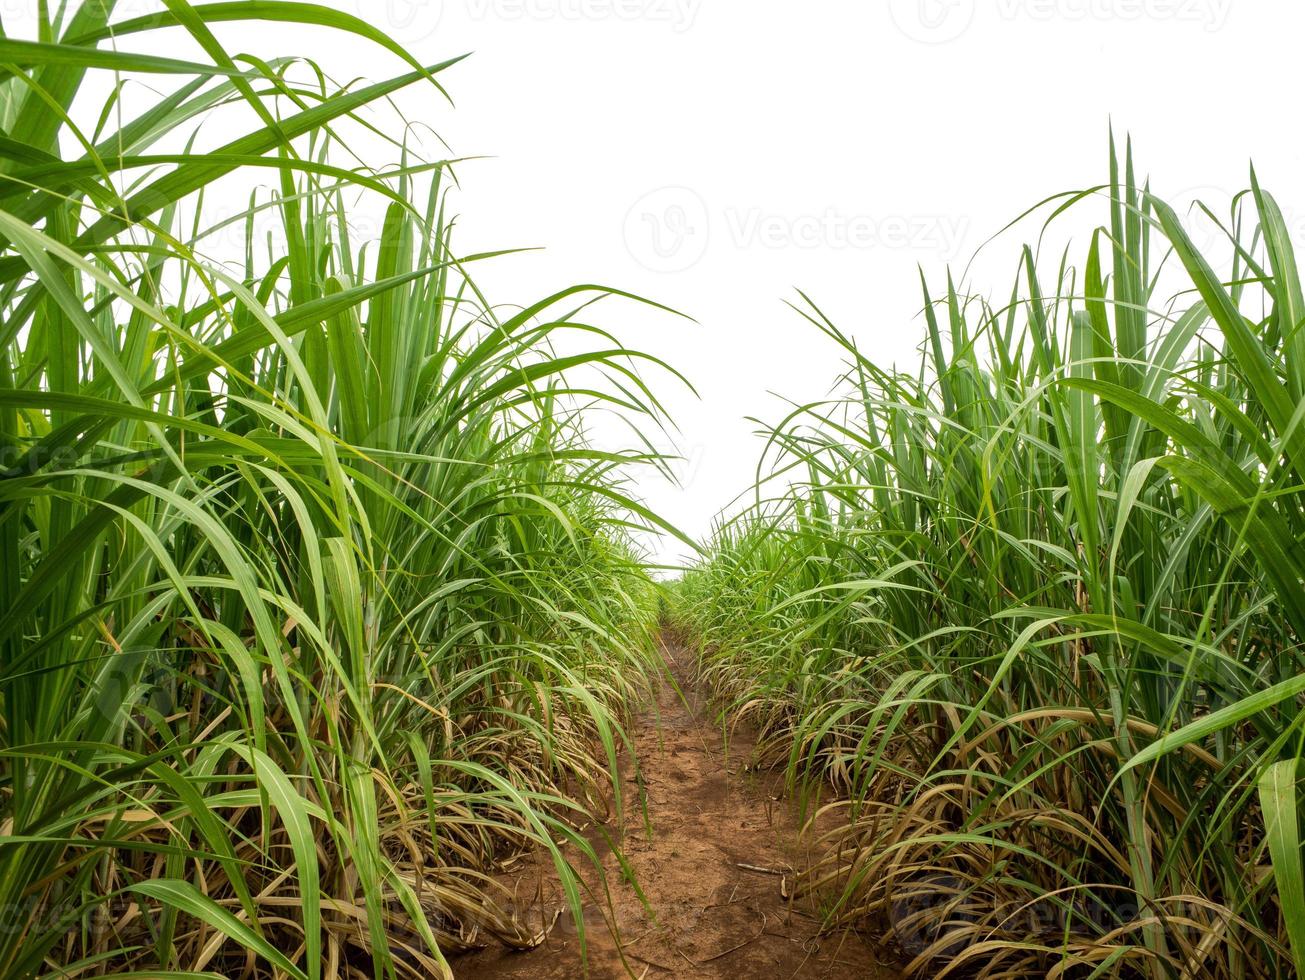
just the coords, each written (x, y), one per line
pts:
(713, 861)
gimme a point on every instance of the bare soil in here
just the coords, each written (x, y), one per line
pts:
(714, 859)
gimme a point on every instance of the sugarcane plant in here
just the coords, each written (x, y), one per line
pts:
(1035, 610)
(316, 599)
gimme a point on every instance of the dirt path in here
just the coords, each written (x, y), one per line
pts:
(717, 834)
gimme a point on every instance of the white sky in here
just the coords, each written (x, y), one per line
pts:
(714, 155)
(745, 123)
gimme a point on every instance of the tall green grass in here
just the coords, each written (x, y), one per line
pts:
(1037, 610)
(315, 599)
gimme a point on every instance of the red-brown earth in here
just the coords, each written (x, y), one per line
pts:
(714, 858)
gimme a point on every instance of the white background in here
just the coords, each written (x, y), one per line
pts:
(715, 155)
